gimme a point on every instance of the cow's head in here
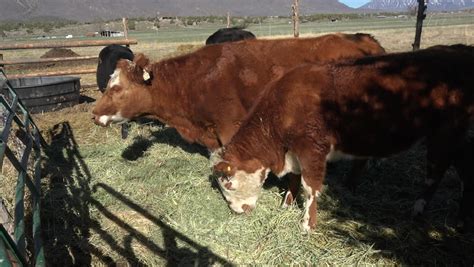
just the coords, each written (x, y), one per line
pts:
(126, 96)
(240, 181)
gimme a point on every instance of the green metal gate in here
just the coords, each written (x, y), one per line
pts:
(15, 116)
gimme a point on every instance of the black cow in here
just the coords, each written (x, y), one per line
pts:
(108, 58)
(229, 35)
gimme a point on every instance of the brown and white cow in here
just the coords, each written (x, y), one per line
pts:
(370, 107)
(206, 94)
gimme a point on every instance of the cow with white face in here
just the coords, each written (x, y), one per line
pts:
(241, 175)
(125, 95)
(240, 187)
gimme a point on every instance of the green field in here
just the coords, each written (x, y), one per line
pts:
(150, 199)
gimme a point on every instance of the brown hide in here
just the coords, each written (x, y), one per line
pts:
(373, 106)
(206, 94)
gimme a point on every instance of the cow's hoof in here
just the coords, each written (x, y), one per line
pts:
(288, 200)
(418, 208)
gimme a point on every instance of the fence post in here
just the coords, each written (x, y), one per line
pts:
(295, 17)
(420, 16)
(125, 27)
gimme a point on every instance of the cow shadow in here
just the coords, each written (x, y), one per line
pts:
(67, 222)
(167, 136)
(381, 208)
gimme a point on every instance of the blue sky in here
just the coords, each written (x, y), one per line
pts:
(354, 3)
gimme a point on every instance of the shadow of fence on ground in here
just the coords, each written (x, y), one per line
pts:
(67, 221)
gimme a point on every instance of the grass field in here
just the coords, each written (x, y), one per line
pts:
(149, 199)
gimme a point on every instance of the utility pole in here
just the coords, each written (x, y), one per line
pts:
(228, 19)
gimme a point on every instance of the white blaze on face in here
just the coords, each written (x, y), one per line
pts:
(243, 188)
(117, 118)
(114, 78)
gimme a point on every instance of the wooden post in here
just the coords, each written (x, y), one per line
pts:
(125, 29)
(228, 19)
(420, 16)
(295, 16)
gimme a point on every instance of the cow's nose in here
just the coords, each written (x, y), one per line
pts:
(247, 208)
(96, 120)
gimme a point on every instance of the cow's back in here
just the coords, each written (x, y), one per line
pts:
(241, 70)
(258, 62)
(229, 35)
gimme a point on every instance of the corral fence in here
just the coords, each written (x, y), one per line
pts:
(25, 156)
(62, 44)
(59, 44)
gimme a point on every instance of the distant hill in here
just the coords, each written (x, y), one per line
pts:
(404, 5)
(89, 10)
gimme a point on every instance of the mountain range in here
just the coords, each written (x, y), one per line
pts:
(404, 5)
(90, 10)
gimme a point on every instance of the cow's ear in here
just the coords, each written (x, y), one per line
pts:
(143, 66)
(141, 61)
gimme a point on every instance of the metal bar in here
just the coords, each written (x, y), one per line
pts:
(19, 220)
(3, 146)
(17, 164)
(55, 73)
(45, 60)
(10, 117)
(4, 259)
(60, 44)
(32, 141)
(11, 244)
(38, 244)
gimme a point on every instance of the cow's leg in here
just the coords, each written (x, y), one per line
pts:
(438, 157)
(294, 183)
(353, 177)
(463, 164)
(312, 157)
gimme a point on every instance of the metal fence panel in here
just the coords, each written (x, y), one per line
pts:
(16, 114)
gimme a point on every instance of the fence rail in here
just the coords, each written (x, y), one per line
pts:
(62, 44)
(13, 251)
(52, 73)
(45, 60)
